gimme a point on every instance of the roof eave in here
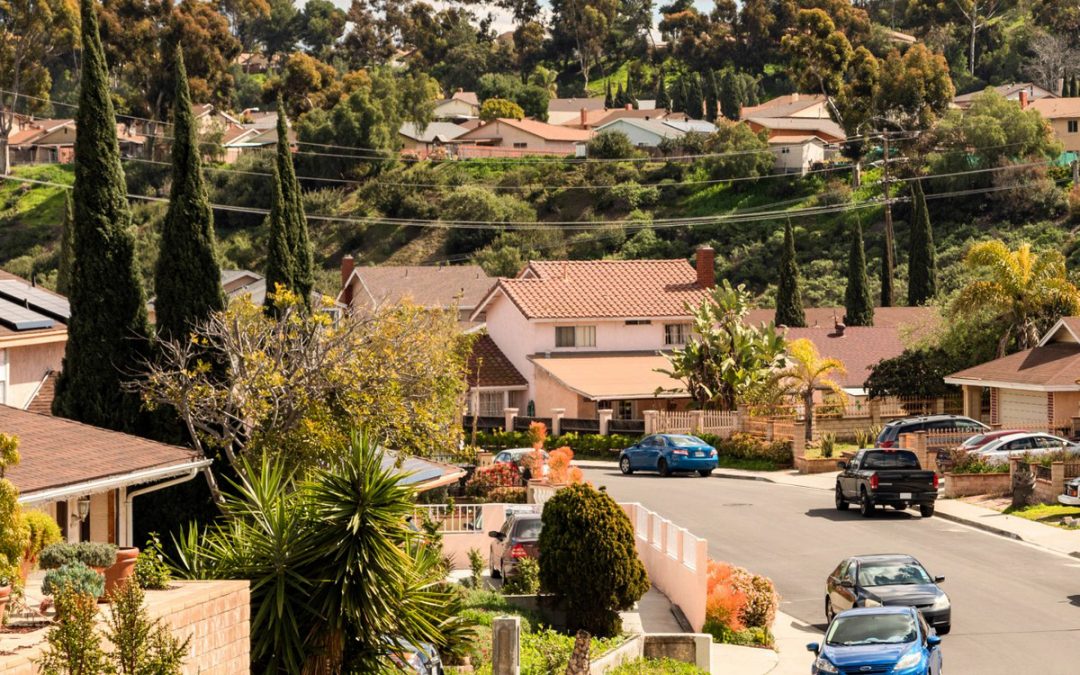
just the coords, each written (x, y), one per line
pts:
(1005, 384)
(112, 482)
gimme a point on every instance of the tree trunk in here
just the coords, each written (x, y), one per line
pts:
(5, 156)
(808, 406)
(856, 174)
(971, 46)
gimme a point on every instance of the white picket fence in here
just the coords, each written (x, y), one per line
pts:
(716, 422)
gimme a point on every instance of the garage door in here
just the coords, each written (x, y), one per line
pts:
(1022, 409)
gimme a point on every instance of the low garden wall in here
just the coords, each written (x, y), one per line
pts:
(693, 648)
(968, 484)
(807, 465)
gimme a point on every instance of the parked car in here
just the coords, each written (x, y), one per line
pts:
(1071, 496)
(521, 458)
(890, 435)
(979, 440)
(887, 478)
(422, 659)
(519, 538)
(1017, 445)
(668, 453)
(894, 640)
(887, 580)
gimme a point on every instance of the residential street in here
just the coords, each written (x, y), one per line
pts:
(1016, 608)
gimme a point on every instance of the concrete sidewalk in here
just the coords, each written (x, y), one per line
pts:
(790, 657)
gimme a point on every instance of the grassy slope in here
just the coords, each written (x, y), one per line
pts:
(31, 215)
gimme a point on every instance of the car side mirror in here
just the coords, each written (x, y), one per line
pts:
(933, 641)
(841, 465)
(847, 583)
(938, 580)
(813, 647)
(496, 535)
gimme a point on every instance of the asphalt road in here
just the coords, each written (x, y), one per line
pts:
(1016, 608)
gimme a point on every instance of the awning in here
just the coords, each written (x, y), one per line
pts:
(423, 474)
(602, 378)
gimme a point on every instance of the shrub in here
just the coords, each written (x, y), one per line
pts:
(583, 445)
(525, 580)
(740, 606)
(1074, 203)
(476, 567)
(589, 558)
(141, 644)
(560, 471)
(762, 600)
(745, 446)
(828, 444)
(43, 532)
(151, 570)
(75, 577)
(89, 553)
(507, 495)
(610, 145)
(724, 601)
(663, 666)
(74, 645)
(488, 478)
(56, 556)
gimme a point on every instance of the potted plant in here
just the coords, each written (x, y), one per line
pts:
(56, 555)
(118, 573)
(5, 595)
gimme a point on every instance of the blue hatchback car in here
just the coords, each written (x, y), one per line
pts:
(870, 640)
(668, 453)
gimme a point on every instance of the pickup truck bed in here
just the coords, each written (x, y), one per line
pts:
(893, 478)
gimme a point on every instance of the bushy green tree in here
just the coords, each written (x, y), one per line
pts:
(588, 558)
(610, 144)
(187, 282)
(741, 152)
(789, 307)
(858, 306)
(922, 257)
(500, 108)
(473, 202)
(108, 329)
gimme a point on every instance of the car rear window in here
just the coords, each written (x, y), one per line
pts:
(902, 459)
(686, 441)
(528, 529)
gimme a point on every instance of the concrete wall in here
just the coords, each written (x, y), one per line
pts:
(457, 545)
(215, 614)
(27, 365)
(967, 484)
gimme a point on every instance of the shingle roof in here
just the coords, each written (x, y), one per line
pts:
(1034, 91)
(1055, 366)
(782, 106)
(435, 287)
(575, 104)
(1056, 108)
(443, 131)
(656, 127)
(56, 452)
(548, 132)
(43, 397)
(603, 289)
(894, 317)
(489, 367)
(814, 124)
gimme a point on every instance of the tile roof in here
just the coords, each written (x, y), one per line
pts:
(575, 104)
(57, 452)
(782, 106)
(548, 132)
(603, 289)
(1055, 366)
(495, 370)
(1056, 108)
(894, 317)
(813, 124)
(437, 287)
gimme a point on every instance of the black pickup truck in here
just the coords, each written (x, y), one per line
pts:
(887, 478)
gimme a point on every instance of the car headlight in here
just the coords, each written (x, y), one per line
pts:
(942, 602)
(870, 602)
(824, 666)
(908, 660)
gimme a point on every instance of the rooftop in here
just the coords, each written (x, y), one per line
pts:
(489, 367)
(435, 131)
(661, 129)
(548, 132)
(814, 124)
(575, 104)
(782, 106)
(30, 311)
(439, 287)
(1051, 367)
(1056, 108)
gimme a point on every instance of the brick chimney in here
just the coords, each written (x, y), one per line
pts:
(348, 264)
(1023, 100)
(584, 119)
(706, 267)
(795, 97)
(629, 106)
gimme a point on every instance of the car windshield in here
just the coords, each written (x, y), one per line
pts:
(890, 460)
(686, 441)
(528, 529)
(871, 629)
(892, 574)
(975, 440)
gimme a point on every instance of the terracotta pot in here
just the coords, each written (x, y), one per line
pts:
(5, 595)
(121, 570)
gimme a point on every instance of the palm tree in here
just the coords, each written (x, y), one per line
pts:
(1023, 290)
(809, 372)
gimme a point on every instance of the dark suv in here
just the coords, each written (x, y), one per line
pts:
(931, 424)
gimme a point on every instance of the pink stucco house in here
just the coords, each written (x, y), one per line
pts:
(589, 335)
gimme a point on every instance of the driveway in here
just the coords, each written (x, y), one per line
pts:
(1016, 608)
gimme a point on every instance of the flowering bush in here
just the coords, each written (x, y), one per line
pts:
(724, 601)
(559, 470)
(762, 599)
(740, 606)
(485, 479)
(507, 495)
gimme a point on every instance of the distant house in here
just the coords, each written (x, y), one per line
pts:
(435, 135)
(462, 105)
(211, 120)
(563, 110)
(33, 336)
(494, 383)
(443, 287)
(643, 133)
(588, 336)
(1029, 90)
(778, 127)
(236, 284)
(238, 140)
(796, 154)
(789, 105)
(43, 141)
(521, 137)
(597, 118)
(688, 126)
(1064, 117)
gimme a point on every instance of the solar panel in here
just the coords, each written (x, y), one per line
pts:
(36, 299)
(20, 318)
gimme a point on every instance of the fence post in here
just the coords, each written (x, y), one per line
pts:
(798, 440)
(556, 421)
(905, 442)
(506, 645)
(652, 422)
(875, 412)
(770, 429)
(742, 413)
(697, 421)
(1057, 478)
(508, 418)
(605, 421)
(921, 451)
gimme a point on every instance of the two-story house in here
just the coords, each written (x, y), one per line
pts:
(33, 336)
(590, 335)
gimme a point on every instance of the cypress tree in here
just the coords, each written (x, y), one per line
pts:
(712, 102)
(731, 95)
(695, 98)
(620, 97)
(1074, 87)
(678, 96)
(67, 249)
(291, 260)
(187, 280)
(922, 263)
(663, 101)
(631, 90)
(107, 330)
(857, 303)
(609, 101)
(789, 307)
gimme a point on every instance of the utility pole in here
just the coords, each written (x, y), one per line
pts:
(1076, 172)
(888, 261)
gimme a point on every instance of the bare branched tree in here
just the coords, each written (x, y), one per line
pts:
(1053, 59)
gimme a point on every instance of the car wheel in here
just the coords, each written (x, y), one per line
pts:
(841, 503)
(866, 505)
(926, 510)
(495, 574)
(624, 466)
(663, 468)
(944, 630)
(704, 473)
(829, 611)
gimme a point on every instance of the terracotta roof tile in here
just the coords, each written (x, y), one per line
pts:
(604, 289)
(495, 370)
(57, 452)
(548, 132)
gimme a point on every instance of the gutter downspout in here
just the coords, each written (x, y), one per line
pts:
(128, 526)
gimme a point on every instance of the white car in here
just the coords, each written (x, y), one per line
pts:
(1020, 444)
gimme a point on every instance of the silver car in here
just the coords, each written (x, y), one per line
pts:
(1020, 444)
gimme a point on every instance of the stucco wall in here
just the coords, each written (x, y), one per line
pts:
(1066, 406)
(455, 108)
(509, 136)
(551, 394)
(1061, 130)
(26, 367)
(514, 335)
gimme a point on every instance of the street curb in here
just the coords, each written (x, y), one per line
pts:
(731, 476)
(981, 526)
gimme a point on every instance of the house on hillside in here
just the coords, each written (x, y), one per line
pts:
(510, 137)
(33, 337)
(588, 336)
(643, 133)
(596, 118)
(43, 141)
(435, 135)
(563, 110)
(1063, 114)
(445, 287)
(797, 154)
(1037, 389)
(806, 106)
(1029, 91)
(462, 105)
(796, 127)
(87, 478)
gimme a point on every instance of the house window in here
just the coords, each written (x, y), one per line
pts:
(3, 376)
(492, 403)
(521, 145)
(575, 336)
(625, 411)
(785, 151)
(1072, 126)
(676, 333)
(638, 322)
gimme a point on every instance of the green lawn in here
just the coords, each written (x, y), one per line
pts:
(748, 464)
(1048, 514)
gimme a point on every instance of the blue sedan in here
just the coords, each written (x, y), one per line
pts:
(667, 453)
(894, 640)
